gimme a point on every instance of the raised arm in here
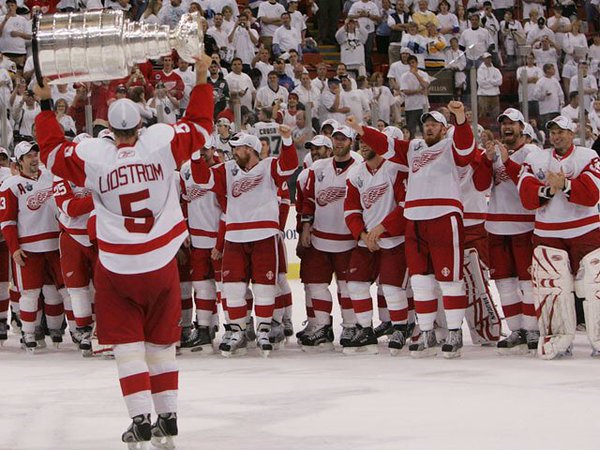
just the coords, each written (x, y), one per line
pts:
(287, 163)
(393, 149)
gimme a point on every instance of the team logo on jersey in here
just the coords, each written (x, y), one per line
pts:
(320, 176)
(445, 271)
(187, 174)
(418, 146)
(373, 194)
(36, 200)
(235, 170)
(29, 186)
(359, 182)
(81, 193)
(421, 161)
(270, 275)
(540, 174)
(330, 195)
(245, 185)
(126, 153)
(500, 175)
(195, 193)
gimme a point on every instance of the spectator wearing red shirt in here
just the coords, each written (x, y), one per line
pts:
(173, 82)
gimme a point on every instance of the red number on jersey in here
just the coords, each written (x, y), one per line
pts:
(134, 225)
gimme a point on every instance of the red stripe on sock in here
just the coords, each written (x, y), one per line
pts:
(28, 316)
(236, 312)
(512, 310)
(14, 296)
(287, 299)
(399, 316)
(362, 305)
(186, 303)
(455, 301)
(162, 382)
(265, 311)
(54, 310)
(426, 306)
(214, 307)
(528, 309)
(321, 306)
(310, 312)
(345, 302)
(249, 303)
(205, 305)
(411, 303)
(84, 321)
(69, 314)
(4, 305)
(135, 383)
(381, 303)
(279, 302)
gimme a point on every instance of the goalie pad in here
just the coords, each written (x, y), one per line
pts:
(588, 287)
(482, 316)
(554, 301)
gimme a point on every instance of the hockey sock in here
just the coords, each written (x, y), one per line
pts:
(286, 294)
(530, 321)
(237, 308)
(29, 309)
(187, 305)
(15, 297)
(397, 304)
(134, 377)
(455, 302)
(81, 303)
(206, 301)
(54, 308)
(279, 309)
(164, 376)
(382, 308)
(249, 303)
(426, 301)
(362, 303)
(264, 302)
(68, 307)
(412, 316)
(322, 303)
(511, 302)
(4, 300)
(348, 316)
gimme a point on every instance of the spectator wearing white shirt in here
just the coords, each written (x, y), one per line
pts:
(549, 94)
(501, 7)
(166, 102)
(535, 6)
(413, 85)
(187, 74)
(559, 24)
(266, 96)
(320, 81)
(15, 32)
(171, 13)
(355, 100)
(590, 86)
(513, 35)
(547, 53)
(24, 115)
(457, 62)
(67, 123)
(217, 6)
(538, 33)
(298, 20)
(382, 98)
(448, 22)
(332, 102)
(306, 92)
(261, 62)
(572, 109)
(489, 80)
(475, 40)
(269, 15)
(397, 69)
(286, 37)
(416, 43)
(398, 23)
(368, 15)
(245, 41)
(573, 39)
(240, 83)
(534, 73)
(64, 91)
(490, 23)
(219, 33)
(352, 40)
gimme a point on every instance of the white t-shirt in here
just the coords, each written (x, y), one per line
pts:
(241, 82)
(244, 47)
(189, 81)
(366, 24)
(264, 68)
(9, 44)
(272, 11)
(287, 39)
(409, 82)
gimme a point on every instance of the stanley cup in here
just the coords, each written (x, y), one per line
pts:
(103, 45)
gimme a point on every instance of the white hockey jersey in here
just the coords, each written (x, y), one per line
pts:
(475, 203)
(71, 200)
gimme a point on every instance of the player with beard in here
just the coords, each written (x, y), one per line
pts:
(510, 226)
(562, 185)
(251, 251)
(327, 241)
(320, 148)
(374, 215)
(434, 229)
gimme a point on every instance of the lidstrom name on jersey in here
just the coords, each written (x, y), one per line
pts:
(330, 195)
(130, 174)
(245, 185)
(35, 201)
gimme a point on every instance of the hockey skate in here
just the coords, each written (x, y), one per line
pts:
(308, 328)
(514, 344)
(348, 333)
(83, 336)
(262, 340)
(383, 329)
(203, 342)
(276, 334)
(426, 346)
(363, 342)
(397, 339)
(30, 343)
(533, 338)
(56, 336)
(3, 331)
(15, 322)
(288, 327)
(40, 337)
(454, 342)
(318, 340)
(139, 432)
(164, 430)
(250, 330)
(236, 343)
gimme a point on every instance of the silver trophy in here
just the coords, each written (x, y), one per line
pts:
(103, 45)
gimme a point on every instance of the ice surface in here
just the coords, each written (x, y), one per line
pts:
(293, 401)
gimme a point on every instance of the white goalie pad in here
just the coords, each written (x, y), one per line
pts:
(588, 284)
(482, 316)
(554, 301)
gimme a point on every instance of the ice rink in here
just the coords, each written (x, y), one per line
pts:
(293, 400)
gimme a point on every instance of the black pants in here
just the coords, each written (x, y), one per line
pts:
(413, 120)
(329, 14)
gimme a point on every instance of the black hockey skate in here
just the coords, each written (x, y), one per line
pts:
(454, 342)
(514, 344)
(532, 337)
(139, 432)
(84, 336)
(308, 328)
(56, 336)
(348, 333)
(288, 327)
(164, 429)
(15, 322)
(40, 337)
(234, 344)
(276, 334)
(383, 329)
(426, 346)
(263, 343)
(203, 340)
(3, 331)
(397, 339)
(250, 331)
(319, 339)
(363, 342)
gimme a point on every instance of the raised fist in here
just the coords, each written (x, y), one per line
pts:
(285, 131)
(456, 107)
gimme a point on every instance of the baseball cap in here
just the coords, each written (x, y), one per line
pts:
(346, 131)
(562, 122)
(106, 134)
(3, 151)
(512, 114)
(210, 142)
(123, 114)
(250, 140)
(406, 50)
(331, 122)
(224, 121)
(24, 147)
(528, 131)
(319, 141)
(435, 115)
(486, 55)
(121, 88)
(393, 132)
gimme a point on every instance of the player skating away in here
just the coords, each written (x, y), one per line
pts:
(28, 215)
(320, 147)
(251, 232)
(204, 212)
(434, 230)
(510, 227)
(562, 185)
(327, 241)
(139, 229)
(374, 214)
